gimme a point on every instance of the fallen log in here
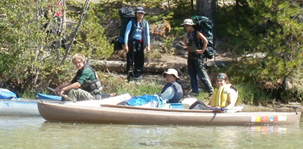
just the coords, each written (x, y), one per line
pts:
(120, 66)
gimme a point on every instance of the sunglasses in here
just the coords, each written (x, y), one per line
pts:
(221, 77)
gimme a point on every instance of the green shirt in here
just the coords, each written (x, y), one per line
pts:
(83, 75)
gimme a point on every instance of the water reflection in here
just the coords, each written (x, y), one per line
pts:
(268, 129)
(34, 132)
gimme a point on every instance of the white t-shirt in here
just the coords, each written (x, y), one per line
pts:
(232, 91)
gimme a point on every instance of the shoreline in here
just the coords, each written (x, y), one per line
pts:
(273, 108)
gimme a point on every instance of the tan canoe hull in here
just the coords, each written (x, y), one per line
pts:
(112, 115)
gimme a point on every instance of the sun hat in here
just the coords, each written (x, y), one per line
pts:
(171, 71)
(140, 10)
(188, 22)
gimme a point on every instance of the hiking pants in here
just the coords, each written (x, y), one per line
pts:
(79, 94)
(196, 68)
(135, 59)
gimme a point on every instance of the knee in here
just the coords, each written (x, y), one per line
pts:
(71, 92)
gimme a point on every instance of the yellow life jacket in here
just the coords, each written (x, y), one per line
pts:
(219, 98)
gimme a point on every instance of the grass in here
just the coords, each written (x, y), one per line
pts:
(119, 85)
(83, 1)
(252, 95)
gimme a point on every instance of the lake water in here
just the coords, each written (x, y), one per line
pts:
(34, 132)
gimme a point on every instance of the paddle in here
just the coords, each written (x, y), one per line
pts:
(63, 95)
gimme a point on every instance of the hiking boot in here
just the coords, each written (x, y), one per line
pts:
(138, 80)
(131, 81)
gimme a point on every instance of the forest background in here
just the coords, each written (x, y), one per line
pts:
(263, 37)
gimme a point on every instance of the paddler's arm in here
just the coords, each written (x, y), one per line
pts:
(232, 98)
(209, 103)
(58, 89)
(68, 87)
(85, 74)
(168, 93)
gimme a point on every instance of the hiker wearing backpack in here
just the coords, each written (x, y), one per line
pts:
(195, 61)
(136, 39)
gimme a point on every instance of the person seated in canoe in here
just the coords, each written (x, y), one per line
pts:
(84, 86)
(225, 94)
(171, 93)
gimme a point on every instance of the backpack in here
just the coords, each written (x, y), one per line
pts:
(125, 14)
(205, 25)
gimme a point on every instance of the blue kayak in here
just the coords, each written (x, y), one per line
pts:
(26, 107)
(7, 94)
(47, 96)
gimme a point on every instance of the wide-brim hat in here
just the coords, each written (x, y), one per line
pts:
(140, 10)
(171, 71)
(188, 22)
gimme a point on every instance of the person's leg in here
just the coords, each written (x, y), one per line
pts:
(139, 61)
(130, 63)
(193, 75)
(202, 74)
(79, 94)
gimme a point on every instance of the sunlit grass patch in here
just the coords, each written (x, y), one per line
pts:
(119, 85)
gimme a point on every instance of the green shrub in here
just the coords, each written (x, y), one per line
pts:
(270, 32)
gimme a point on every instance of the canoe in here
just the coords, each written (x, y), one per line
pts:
(20, 107)
(25, 107)
(118, 115)
(28, 107)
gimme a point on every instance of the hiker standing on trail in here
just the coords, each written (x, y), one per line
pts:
(195, 61)
(85, 85)
(136, 39)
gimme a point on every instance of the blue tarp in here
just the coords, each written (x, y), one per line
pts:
(7, 94)
(154, 101)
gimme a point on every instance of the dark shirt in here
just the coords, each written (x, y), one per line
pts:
(83, 75)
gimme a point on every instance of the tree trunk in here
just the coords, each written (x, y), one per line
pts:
(192, 7)
(237, 10)
(62, 27)
(76, 31)
(208, 8)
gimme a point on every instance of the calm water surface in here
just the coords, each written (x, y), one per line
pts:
(34, 132)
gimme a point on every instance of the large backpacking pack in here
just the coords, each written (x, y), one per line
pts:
(125, 14)
(204, 25)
